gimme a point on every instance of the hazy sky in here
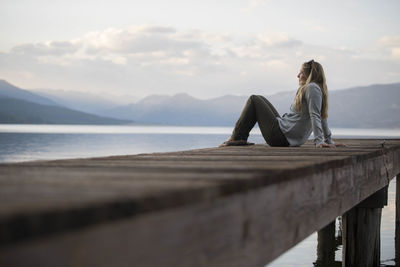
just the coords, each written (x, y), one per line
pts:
(204, 48)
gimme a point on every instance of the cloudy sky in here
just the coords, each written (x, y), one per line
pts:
(204, 48)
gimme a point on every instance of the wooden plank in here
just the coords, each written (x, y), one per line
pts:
(186, 209)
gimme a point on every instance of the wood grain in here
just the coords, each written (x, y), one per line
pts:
(231, 206)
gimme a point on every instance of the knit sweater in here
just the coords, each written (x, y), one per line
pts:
(298, 125)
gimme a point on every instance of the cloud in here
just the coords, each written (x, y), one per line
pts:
(139, 40)
(392, 43)
(148, 45)
(159, 29)
(314, 25)
(253, 5)
(277, 40)
(267, 46)
(143, 60)
(49, 48)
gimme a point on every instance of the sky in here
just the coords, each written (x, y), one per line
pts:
(207, 49)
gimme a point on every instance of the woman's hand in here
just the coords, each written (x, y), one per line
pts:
(323, 145)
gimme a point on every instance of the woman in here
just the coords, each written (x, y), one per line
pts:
(308, 114)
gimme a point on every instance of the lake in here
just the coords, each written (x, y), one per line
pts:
(41, 142)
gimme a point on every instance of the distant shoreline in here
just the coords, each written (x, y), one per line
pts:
(171, 129)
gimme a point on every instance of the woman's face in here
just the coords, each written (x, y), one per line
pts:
(302, 77)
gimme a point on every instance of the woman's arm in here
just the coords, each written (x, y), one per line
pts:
(327, 132)
(322, 133)
(314, 102)
(328, 135)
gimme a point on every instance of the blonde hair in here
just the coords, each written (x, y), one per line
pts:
(315, 73)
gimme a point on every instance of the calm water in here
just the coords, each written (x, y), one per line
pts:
(36, 142)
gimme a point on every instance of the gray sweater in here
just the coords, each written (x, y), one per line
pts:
(297, 126)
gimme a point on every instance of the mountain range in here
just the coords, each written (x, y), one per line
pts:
(374, 106)
(21, 106)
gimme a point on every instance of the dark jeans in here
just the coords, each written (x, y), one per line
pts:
(259, 109)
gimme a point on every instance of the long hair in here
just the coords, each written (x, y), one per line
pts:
(315, 73)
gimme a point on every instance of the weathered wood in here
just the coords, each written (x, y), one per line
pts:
(233, 206)
(326, 246)
(361, 232)
(361, 237)
(377, 200)
(397, 227)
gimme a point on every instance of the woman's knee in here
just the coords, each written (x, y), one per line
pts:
(255, 97)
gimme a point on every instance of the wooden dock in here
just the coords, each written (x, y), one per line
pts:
(231, 206)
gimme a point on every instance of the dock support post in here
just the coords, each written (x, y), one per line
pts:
(397, 231)
(361, 232)
(326, 246)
